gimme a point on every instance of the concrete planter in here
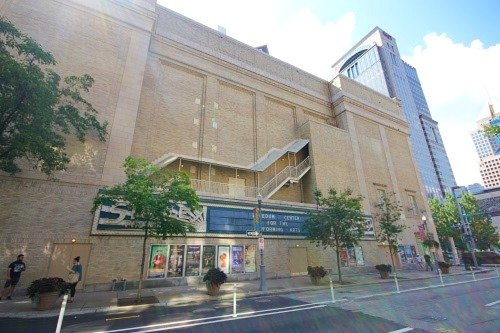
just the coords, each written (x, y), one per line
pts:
(384, 274)
(316, 280)
(47, 300)
(213, 289)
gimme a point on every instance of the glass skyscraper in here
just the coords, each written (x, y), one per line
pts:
(376, 63)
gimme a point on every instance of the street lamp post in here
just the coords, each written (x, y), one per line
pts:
(469, 239)
(263, 282)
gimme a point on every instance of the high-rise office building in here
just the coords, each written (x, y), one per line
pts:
(488, 150)
(375, 62)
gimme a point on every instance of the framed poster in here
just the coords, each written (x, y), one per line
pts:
(223, 258)
(250, 264)
(401, 251)
(237, 262)
(413, 251)
(193, 260)
(175, 261)
(343, 258)
(157, 261)
(408, 252)
(208, 260)
(360, 260)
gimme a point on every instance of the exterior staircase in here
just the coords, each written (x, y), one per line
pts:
(290, 174)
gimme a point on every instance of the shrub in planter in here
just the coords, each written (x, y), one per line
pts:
(384, 270)
(316, 273)
(214, 279)
(45, 292)
(444, 267)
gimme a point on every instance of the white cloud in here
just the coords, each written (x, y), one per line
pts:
(295, 36)
(457, 79)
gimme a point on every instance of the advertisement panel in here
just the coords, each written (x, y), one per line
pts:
(352, 256)
(343, 258)
(208, 258)
(360, 260)
(223, 258)
(175, 261)
(250, 265)
(193, 260)
(157, 261)
(237, 262)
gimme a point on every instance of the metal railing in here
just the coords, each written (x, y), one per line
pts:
(224, 189)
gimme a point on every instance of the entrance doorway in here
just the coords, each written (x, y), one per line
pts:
(62, 259)
(297, 260)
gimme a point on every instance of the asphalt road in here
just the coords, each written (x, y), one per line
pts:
(468, 307)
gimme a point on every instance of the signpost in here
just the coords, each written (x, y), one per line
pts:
(261, 243)
(252, 233)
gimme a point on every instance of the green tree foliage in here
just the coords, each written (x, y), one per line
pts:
(483, 230)
(338, 222)
(388, 215)
(445, 216)
(492, 130)
(150, 193)
(37, 112)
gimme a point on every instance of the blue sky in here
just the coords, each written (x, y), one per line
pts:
(454, 45)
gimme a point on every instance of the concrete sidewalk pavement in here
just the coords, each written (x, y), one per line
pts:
(106, 301)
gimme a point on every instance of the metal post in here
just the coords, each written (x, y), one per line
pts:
(396, 280)
(469, 240)
(440, 277)
(263, 282)
(473, 276)
(331, 290)
(496, 269)
(61, 314)
(234, 300)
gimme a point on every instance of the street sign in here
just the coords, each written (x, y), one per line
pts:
(252, 233)
(261, 243)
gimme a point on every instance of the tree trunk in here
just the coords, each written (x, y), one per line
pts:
(392, 260)
(338, 263)
(143, 259)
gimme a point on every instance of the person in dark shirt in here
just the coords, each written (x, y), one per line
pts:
(13, 276)
(77, 271)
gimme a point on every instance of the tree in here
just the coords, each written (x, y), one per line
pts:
(483, 231)
(388, 216)
(492, 130)
(446, 218)
(150, 193)
(338, 222)
(37, 113)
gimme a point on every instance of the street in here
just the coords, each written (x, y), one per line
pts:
(462, 307)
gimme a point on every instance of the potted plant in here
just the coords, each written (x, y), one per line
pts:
(214, 279)
(316, 274)
(444, 266)
(384, 270)
(45, 292)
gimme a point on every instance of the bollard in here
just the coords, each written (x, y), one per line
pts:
(496, 268)
(473, 275)
(61, 313)
(113, 284)
(396, 280)
(234, 300)
(124, 286)
(440, 276)
(331, 289)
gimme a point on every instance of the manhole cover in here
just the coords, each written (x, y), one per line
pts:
(203, 310)
(133, 301)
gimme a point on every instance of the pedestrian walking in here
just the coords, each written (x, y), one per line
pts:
(75, 276)
(13, 276)
(419, 261)
(428, 263)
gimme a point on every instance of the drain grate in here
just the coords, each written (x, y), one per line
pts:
(203, 310)
(431, 318)
(263, 300)
(133, 301)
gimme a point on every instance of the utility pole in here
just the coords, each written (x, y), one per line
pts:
(469, 239)
(263, 282)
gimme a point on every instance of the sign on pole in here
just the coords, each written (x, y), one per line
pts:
(261, 243)
(252, 233)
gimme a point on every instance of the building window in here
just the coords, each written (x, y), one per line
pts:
(413, 204)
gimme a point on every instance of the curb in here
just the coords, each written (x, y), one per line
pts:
(198, 299)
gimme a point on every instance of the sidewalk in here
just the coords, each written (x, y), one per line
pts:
(106, 301)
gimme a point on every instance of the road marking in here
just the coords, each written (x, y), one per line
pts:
(492, 303)
(406, 329)
(217, 317)
(229, 319)
(125, 317)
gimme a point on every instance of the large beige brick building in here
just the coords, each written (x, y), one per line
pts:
(239, 121)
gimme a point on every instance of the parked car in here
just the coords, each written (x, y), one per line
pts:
(483, 258)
